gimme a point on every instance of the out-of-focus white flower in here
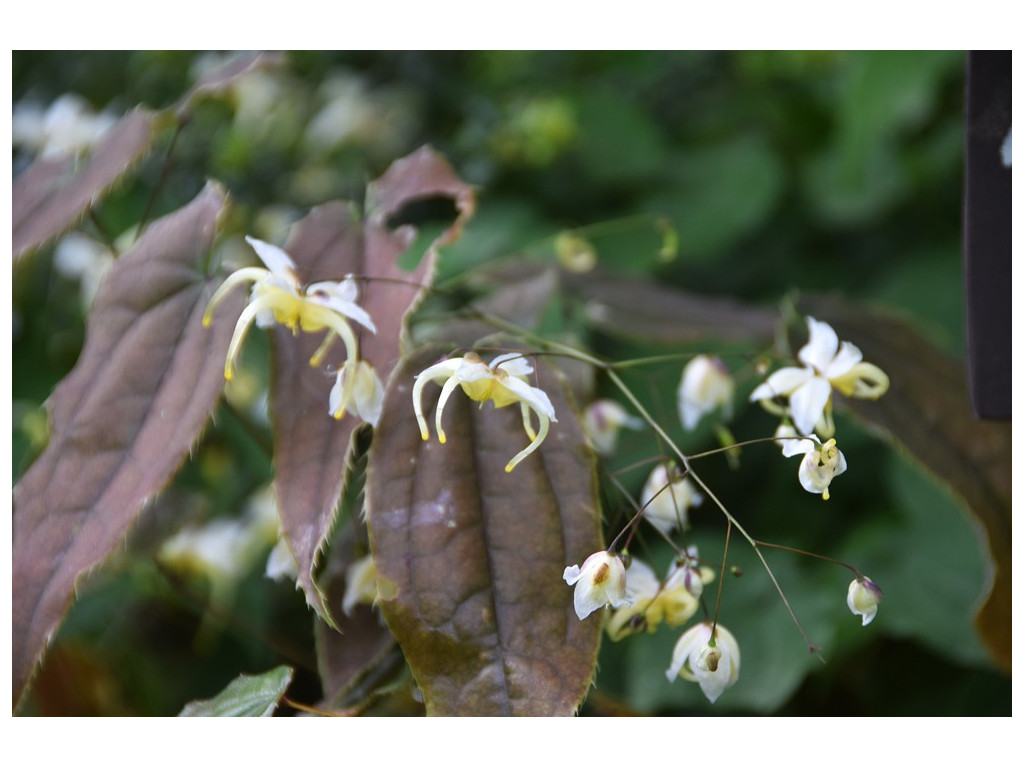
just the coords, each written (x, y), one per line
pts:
(360, 584)
(503, 382)
(705, 385)
(78, 257)
(281, 563)
(366, 393)
(863, 598)
(828, 365)
(601, 581)
(277, 296)
(665, 501)
(1006, 150)
(708, 656)
(68, 126)
(602, 420)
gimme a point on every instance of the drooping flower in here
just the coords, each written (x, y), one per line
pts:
(365, 394)
(828, 365)
(709, 656)
(502, 382)
(665, 500)
(601, 581)
(863, 598)
(705, 385)
(277, 296)
(602, 420)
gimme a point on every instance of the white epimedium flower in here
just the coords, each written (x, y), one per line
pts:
(503, 382)
(828, 365)
(709, 656)
(600, 581)
(863, 598)
(821, 463)
(365, 394)
(705, 385)
(665, 500)
(277, 296)
(602, 420)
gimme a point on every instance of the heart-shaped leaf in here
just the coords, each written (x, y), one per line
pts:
(470, 558)
(121, 421)
(311, 448)
(52, 194)
(245, 696)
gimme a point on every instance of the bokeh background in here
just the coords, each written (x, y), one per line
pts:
(781, 172)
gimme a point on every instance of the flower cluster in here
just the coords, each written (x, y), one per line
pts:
(278, 297)
(503, 382)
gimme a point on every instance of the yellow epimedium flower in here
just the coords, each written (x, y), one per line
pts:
(708, 655)
(673, 601)
(600, 581)
(277, 296)
(863, 598)
(502, 382)
(828, 365)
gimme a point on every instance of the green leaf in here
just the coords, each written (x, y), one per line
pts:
(720, 193)
(311, 448)
(470, 558)
(246, 696)
(122, 421)
(51, 195)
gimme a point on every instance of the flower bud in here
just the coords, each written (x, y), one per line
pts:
(863, 598)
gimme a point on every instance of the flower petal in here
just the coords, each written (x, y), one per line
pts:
(782, 382)
(821, 347)
(849, 355)
(807, 403)
(532, 396)
(277, 261)
(514, 364)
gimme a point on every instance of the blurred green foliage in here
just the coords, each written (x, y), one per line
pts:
(780, 171)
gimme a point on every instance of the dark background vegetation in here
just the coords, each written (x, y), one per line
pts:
(781, 172)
